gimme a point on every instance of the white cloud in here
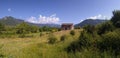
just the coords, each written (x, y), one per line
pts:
(81, 20)
(98, 17)
(44, 19)
(9, 9)
(32, 19)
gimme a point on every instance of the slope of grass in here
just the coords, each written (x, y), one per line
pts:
(36, 46)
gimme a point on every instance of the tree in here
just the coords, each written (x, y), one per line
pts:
(23, 28)
(116, 18)
(2, 27)
(34, 29)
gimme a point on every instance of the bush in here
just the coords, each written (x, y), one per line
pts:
(22, 35)
(41, 34)
(105, 27)
(85, 41)
(89, 28)
(72, 32)
(52, 40)
(2, 27)
(110, 41)
(63, 37)
(73, 47)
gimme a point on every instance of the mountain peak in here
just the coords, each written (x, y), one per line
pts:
(91, 22)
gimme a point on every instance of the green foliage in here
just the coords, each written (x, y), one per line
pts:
(110, 41)
(52, 40)
(73, 47)
(48, 29)
(89, 28)
(2, 56)
(72, 32)
(63, 37)
(34, 29)
(116, 18)
(105, 27)
(85, 41)
(22, 28)
(1, 27)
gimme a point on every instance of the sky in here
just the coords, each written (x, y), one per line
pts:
(58, 11)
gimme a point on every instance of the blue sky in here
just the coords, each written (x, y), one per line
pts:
(58, 11)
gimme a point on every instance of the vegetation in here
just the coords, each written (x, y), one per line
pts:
(1, 28)
(52, 39)
(72, 32)
(101, 38)
(116, 18)
(29, 41)
(63, 38)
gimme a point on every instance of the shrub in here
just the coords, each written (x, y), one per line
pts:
(2, 27)
(2, 56)
(41, 34)
(63, 37)
(105, 27)
(73, 47)
(72, 32)
(52, 39)
(22, 35)
(85, 41)
(89, 28)
(110, 41)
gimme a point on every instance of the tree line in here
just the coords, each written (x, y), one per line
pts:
(24, 28)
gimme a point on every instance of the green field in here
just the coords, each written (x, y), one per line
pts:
(36, 46)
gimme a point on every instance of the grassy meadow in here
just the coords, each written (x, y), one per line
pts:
(37, 46)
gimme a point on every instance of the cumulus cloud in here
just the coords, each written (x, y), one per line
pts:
(98, 17)
(44, 19)
(9, 9)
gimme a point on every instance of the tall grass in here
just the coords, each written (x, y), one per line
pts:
(37, 47)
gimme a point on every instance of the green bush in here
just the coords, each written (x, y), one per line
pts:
(85, 41)
(41, 34)
(89, 28)
(63, 37)
(105, 27)
(52, 39)
(2, 27)
(110, 41)
(72, 32)
(73, 47)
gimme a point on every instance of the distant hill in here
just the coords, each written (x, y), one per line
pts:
(90, 22)
(11, 21)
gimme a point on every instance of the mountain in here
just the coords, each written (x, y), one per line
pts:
(11, 21)
(90, 22)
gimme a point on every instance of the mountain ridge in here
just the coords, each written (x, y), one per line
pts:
(90, 22)
(11, 21)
